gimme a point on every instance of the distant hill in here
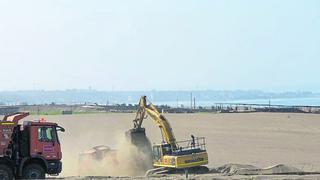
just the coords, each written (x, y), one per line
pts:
(132, 97)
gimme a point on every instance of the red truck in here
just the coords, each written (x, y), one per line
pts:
(29, 150)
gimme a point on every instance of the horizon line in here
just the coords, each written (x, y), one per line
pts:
(162, 90)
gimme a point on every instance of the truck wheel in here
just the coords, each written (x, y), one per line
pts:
(5, 172)
(33, 171)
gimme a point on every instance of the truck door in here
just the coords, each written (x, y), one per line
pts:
(44, 142)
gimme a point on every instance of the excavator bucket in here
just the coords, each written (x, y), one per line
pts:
(137, 137)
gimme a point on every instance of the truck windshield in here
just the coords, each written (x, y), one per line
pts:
(46, 134)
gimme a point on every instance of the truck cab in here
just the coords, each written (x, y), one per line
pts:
(44, 145)
(30, 150)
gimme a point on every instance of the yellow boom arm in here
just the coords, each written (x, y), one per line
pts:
(159, 119)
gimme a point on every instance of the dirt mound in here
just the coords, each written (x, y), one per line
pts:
(232, 168)
(281, 169)
(241, 169)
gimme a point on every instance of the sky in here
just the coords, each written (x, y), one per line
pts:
(267, 45)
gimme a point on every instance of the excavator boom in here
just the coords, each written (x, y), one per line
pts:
(164, 125)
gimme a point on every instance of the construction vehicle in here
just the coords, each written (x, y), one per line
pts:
(90, 159)
(29, 150)
(170, 155)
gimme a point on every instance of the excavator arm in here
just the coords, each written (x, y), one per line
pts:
(164, 125)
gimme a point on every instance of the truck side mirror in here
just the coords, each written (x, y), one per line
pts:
(59, 128)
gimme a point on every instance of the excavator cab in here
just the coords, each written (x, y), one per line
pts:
(166, 149)
(161, 150)
(156, 152)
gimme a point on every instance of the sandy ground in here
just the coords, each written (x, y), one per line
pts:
(259, 139)
(206, 177)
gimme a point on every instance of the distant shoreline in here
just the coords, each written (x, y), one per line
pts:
(171, 98)
(56, 109)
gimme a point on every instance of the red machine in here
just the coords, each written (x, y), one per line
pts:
(29, 150)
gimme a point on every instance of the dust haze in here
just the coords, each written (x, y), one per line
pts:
(258, 139)
(83, 132)
(126, 160)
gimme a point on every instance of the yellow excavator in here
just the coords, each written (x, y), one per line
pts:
(170, 156)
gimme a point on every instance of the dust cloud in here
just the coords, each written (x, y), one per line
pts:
(126, 160)
(259, 139)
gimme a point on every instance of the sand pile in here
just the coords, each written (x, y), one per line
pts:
(281, 169)
(240, 169)
(231, 168)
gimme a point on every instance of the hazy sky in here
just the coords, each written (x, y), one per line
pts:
(163, 45)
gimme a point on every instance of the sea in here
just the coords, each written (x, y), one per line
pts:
(279, 101)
